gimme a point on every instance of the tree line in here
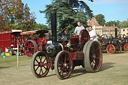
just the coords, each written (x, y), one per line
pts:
(101, 20)
(16, 15)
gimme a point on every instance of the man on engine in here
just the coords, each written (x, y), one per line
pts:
(78, 28)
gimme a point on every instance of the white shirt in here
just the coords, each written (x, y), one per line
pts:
(93, 33)
(78, 29)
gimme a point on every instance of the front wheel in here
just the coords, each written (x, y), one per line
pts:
(110, 49)
(40, 64)
(126, 47)
(63, 65)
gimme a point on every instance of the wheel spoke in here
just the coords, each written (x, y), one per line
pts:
(40, 70)
(98, 58)
(61, 60)
(36, 65)
(45, 67)
(67, 70)
(29, 45)
(93, 63)
(65, 59)
(40, 57)
(36, 68)
(97, 49)
(44, 60)
(36, 60)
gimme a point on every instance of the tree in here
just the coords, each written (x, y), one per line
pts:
(101, 19)
(13, 16)
(81, 5)
(68, 15)
(40, 27)
(113, 23)
(28, 19)
(4, 18)
(123, 24)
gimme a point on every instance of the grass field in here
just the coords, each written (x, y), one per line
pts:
(10, 61)
(114, 71)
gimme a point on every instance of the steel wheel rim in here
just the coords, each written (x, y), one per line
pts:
(64, 65)
(95, 57)
(110, 49)
(40, 64)
(83, 37)
(126, 47)
(30, 48)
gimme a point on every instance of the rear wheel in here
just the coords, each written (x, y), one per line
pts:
(40, 64)
(110, 49)
(83, 37)
(63, 65)
(92, 56)
(30, 48)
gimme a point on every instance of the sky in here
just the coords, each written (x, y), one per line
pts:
(112, 9)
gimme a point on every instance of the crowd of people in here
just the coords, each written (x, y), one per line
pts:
(91, 31)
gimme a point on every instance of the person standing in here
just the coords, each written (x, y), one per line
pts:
(92, 33)
(78, 28)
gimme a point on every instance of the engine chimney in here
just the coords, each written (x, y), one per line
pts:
(115, 32)
(53, 26)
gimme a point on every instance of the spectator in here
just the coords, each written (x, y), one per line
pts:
(92, 34)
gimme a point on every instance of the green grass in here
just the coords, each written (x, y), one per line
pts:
(10, 61)
(114, 71)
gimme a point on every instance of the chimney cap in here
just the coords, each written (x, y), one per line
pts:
(53, 11)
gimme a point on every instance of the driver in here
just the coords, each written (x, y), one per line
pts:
(78, 28)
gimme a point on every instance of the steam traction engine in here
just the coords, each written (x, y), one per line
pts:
(35, 44)
(110, 44)
(62, 57)
(114, 44)
(124, 42)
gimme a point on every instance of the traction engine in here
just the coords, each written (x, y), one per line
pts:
(63, 57)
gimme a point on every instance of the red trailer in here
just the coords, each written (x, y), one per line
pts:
(9, 39)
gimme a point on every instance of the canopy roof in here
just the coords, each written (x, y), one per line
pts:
(34, 32)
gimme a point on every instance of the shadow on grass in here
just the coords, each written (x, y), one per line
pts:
(78, 72)
(75, 73)
(81, 71)
(106, 66)
(3, 67)
(119, 52)
(50, 75)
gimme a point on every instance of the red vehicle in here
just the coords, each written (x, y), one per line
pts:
(10, 38)
(124, 42)
(111, 44)
(63, 57)
(34, 44)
